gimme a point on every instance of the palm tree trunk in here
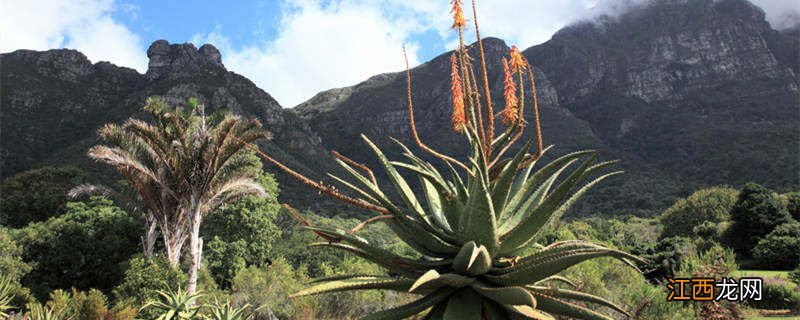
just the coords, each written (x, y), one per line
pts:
(149, 240)
(195, 249)
(173, 242)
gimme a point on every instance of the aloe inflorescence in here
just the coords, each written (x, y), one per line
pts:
(472, 224)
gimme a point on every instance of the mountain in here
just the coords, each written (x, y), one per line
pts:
(687, 93)
(53, 102)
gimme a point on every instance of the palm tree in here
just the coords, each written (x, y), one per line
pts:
(184, 165)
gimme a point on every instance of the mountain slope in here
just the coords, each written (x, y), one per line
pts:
(687, 93)
(54, 101)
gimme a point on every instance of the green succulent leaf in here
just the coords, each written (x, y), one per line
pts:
(478, 221)
(412, 308)
(554, 305)
(356, 283)
(433, 280)
(512, 296)
(465, 304)
(578, 296)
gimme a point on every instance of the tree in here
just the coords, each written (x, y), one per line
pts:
(708, 205)
(780, 249)
(12, 267)
(793, 204)
(242, 233)
(184, 165)
(83, 248)
(37, 194)
(756, 213)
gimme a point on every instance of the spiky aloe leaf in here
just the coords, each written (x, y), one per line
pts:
(529, 227)
(546, 263)
(465, 304)
(529, 185)
(557, 279)
(432, 280)
(356, 283)
(505, 179)
(535, 199)
(412, 308)
(478, 222)
(472, 259)
(512, 296)
(554, 305)
(398, 181)
(578, 296)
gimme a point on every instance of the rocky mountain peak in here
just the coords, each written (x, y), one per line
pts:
(170, 60)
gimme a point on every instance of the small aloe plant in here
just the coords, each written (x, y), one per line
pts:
(6, 295)
(473, 226)
(175, 305)
(225, 311)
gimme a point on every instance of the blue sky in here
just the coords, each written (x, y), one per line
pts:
(292, 48)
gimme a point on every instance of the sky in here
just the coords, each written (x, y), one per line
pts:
(294, 48)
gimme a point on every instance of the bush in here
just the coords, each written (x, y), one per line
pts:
(38, 194)
(712, 205)
(270, 288)
(792, 200)
(11, 264)
(777, 294)
(756, 213)
(241, 234)
(794, 276)
(780, 249)
(144, 277)
(84, 248)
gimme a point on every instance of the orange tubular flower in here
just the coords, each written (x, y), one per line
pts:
(517, 60)
(459, 118)
(511, 112)
(458, 14)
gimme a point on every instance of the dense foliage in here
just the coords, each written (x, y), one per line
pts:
(780, 249)
(712, 205)
(38, 194)
(756, 213)
(83, 248)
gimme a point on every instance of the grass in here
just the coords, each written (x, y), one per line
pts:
(762, 274)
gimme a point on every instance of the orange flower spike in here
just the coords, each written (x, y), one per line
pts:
(517, 60)
(511, 112)
(459, 118)
(458, 15)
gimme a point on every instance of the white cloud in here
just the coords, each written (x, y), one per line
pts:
(780, 13)
(319, 47)
(85, 25)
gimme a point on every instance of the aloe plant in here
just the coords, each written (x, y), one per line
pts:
(473, 224)
(37, 311)
(175, 305)
(6, 295)
(225, 311)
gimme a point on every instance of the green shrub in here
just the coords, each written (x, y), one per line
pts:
(38, 194)
(12, 266)
(84, 248)
(269, 288)
(712, 205)
(644, 300)
(777, 293)
(756, 213)
(241, 234)
(144, 277)
(780, 249)
(792, 200)
(794, 276)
